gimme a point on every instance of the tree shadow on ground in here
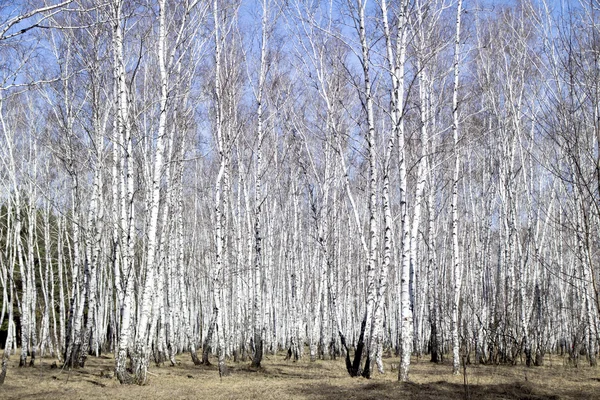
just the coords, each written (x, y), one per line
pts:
(429, 391)
(286, 370)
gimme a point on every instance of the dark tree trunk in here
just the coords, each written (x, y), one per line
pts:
(539, 358)
(527, 350)
(207, 340)
(345, 346)
(32, 360)
(195, 358)
(354, 368)
(258, 351)
(366, 372)
(435, 350)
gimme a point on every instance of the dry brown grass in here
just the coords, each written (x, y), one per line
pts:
(321, 380)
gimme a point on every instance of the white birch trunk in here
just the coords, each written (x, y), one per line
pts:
(258, 271)
(126, 197)
(141, 351)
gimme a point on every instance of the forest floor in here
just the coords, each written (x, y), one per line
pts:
(321, 380)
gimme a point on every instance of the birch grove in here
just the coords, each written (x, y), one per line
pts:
(224, 180)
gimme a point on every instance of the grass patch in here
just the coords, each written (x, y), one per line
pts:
(281, 379)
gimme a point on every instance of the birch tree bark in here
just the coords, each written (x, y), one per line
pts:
(223, 149)
(396, 58)
(11, 248)
(364, 340)
(8, 133)
(456, 260)
(258, 270)
(122, 153)
(141, 350)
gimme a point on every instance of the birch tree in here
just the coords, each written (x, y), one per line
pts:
(457, 264)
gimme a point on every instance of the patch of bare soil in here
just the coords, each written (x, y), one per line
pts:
(322, 380)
